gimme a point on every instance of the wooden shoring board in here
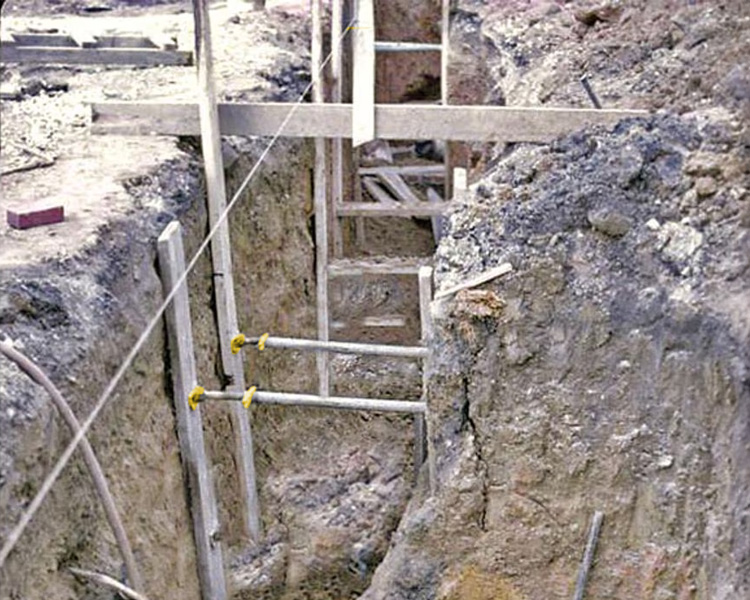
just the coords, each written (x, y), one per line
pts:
(444, 86)
(406, 47)
(438, 223)
(141, 57)
(399, 188)
(48, 40)
(337, 146)
(393, 121)
(377, 209)
(425, 299)
(437, 171)
(203, 506)
(353, 267)
(363, 94)
(321, 206)
(378, 193)
(221, 258)
(373, 322)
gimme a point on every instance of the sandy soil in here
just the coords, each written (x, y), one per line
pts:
(89, 175)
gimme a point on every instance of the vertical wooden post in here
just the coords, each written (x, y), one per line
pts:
(444, 88)
(321, 204)
(460, 183)
(422, 422)
(189, 422)
(337, 185)
(363, 94)
(221, 257)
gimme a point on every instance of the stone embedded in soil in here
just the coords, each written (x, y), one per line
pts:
(706, 186)
(609, 222)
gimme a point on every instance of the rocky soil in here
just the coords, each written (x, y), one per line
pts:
(609, 370)
(75, 296)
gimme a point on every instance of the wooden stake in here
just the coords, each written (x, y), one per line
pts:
(363, 117)
(422, 425)
(189, 422)
(221, 256)
(321, 205)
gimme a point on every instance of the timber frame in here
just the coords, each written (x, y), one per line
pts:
(331, 122)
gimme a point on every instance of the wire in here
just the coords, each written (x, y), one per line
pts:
(62, 462)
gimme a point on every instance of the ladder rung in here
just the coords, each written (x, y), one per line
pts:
(377, 265)
(406, 171)
(385, 321)
(376, 209)
(407, 47)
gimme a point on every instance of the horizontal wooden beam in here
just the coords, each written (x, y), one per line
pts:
(377, 209)
(143, 57)
(407, 171)
(393, 121)
(407, 47)
(349, 267)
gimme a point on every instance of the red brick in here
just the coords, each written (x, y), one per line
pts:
(35, 217)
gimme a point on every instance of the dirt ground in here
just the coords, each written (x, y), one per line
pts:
(332, 487)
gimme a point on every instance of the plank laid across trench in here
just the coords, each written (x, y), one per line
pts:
(393, 121)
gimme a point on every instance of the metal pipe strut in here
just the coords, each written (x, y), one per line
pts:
(340, 347)
(285, 399)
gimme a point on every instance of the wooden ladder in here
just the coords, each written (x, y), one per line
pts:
(389, 186)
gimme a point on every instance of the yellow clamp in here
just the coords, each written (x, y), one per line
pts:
(195, 396)
(247, 397)
(237, 342)
(262, 341)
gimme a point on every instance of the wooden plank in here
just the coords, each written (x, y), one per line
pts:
(337, 149)
(406, 170)
(85, 40)
(393, 121)
(376, 209)
(221, 257)
(141, 57)
(423, 431)
(48, 40)
(445, 89)
(439, 224)
(203, 507)
(499, 271)
(460, 183)
(378, 193)
(350, 267)
(124, 41)
(321, 206)
(381, 322)
(406, 47)
(399, 188)
(363, 117)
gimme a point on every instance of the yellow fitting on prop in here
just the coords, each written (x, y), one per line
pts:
(237, 342)
(247, 397)
(195, 396)
(262, 341)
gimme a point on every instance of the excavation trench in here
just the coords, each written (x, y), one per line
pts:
(332, 485)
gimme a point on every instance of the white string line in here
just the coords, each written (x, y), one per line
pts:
(62, 462)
